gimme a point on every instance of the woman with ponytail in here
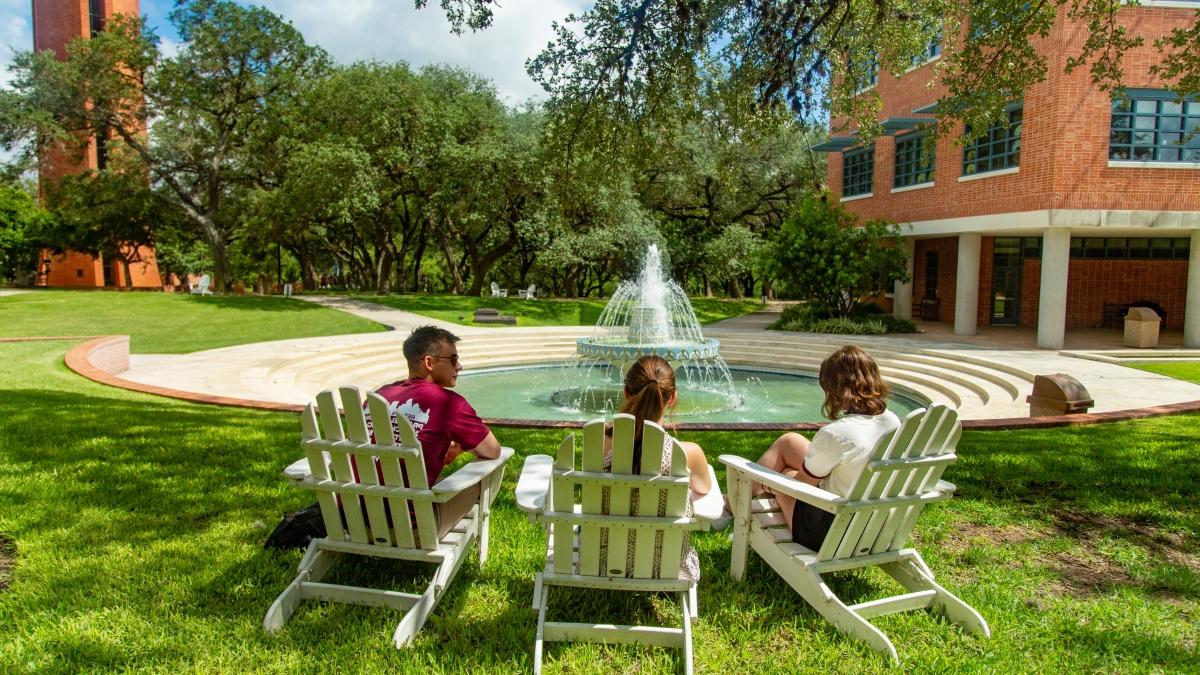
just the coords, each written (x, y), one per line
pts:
(649, 393)
(856, 401)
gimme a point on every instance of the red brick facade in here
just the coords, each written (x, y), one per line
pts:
(1063, 166)
(55, 24)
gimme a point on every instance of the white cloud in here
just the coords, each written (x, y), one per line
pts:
(16, 34)
(392, 30)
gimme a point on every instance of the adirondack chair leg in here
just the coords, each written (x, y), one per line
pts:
(912, 574)
(812, 588)
(313, 566)
(537, 591)
(285, 605)
(686, 605)
(484, 517)
(739, 501)
(317, 561)
(540, 599)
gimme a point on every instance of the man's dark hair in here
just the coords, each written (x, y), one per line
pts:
(424, 341)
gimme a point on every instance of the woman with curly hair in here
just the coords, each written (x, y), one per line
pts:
(856, 401)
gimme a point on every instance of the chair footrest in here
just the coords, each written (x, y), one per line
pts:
(610, 634)
(310, 590)
(895, 604)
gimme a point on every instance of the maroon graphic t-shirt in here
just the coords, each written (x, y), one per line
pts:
(438, 415)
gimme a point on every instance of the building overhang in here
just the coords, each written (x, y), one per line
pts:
(1110, 221)
(837, 144)
(895, 125)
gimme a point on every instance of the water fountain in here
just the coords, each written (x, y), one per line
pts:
(649, 315)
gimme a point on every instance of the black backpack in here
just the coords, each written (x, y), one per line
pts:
(297, 529)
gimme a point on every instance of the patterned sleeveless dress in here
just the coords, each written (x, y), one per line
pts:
(689, 568)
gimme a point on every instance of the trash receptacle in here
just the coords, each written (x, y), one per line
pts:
(1058, 394)
(1141, 327)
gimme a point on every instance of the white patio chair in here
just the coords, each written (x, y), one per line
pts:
(871, 526)
(528, 293)
(201, 287)
(498, 292)
(576, 528)
(381, 518)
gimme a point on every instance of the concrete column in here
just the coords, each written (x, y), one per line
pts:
(902, 300)
(966, 290)
(1191, 311)
(1052, 300)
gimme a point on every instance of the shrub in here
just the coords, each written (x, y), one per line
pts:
(810, 318)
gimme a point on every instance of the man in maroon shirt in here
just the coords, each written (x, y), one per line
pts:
(445, 423)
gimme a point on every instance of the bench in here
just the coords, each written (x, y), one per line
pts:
(492, 315)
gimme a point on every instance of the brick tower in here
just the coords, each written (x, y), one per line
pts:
(56, 23)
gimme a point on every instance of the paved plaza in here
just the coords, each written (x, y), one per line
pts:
(986, 376)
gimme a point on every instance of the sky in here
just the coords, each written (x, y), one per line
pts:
(384, 30)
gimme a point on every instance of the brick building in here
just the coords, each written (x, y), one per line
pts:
(1083, 205)
(56, 23)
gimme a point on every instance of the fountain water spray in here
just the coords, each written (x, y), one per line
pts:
(651, 315)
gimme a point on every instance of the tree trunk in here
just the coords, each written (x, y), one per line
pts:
(451, 264)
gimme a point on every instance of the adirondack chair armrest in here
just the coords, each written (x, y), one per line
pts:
(945, 487)
(534, 483)
(297, 470)
(469, 475)
(822, 499)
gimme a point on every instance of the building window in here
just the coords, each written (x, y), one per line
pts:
(863, 70)
(999, 148)
(858, 170)
(933, 49)
(914, 159)
(96, 15)
(1154, 126)
(1130, 248)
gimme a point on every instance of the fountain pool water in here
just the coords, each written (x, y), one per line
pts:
(529, 392)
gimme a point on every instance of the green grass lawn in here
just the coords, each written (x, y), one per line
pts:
(578, 312)
(1180, 370)
(137, 524)
(172, 323)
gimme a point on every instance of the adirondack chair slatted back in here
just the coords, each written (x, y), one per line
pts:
(343, 456)
(905, 463)
(605, 545)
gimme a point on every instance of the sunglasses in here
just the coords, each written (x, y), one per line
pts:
(453, 358)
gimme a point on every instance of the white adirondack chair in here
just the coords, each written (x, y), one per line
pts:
(528, 293)
(201, 287)
(376, 517)
(871, 526)
(498, 292)
(546, 490)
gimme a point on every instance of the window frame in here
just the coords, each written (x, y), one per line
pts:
(858, 171)
(1125, 127)
(913, 169)
(998, 134)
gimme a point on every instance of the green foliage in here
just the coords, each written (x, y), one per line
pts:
(821, 254)
(22, 223)
(584, 312)
(810, 318)
(632, 64)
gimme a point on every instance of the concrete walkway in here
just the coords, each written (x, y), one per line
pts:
(396, 319)
(12, 291)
